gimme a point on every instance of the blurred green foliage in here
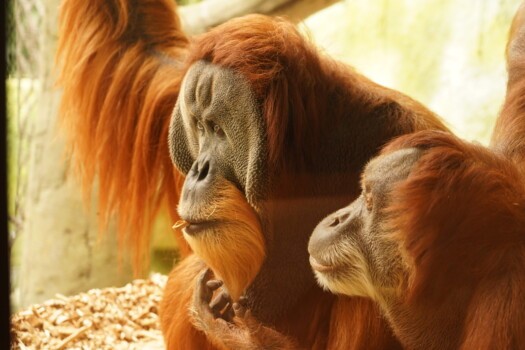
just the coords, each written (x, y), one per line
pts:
(448, 54)
(187, 2)
(18, 90)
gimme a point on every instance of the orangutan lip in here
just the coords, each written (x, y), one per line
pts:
(321, 267)
(196, 227)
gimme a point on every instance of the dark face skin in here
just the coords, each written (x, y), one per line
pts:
(217, 140)
(350, 251)
(215, 135)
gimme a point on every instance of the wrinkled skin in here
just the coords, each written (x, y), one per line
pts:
(271, 137)
(350, 250)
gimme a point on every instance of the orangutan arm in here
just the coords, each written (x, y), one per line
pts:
(230, 324)
(175, 317)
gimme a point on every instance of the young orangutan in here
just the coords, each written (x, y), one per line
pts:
(437, 239)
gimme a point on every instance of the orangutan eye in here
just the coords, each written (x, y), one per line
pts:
(368, 201)
(367, 193)
(200, 126)
(216, 128)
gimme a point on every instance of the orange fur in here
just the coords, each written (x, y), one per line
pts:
(460, 221)
(306, 327)
(120, 80)
(267, 54)
(507, 137)
(516, 29)
(348, 331)
(454, 173)
(235, 251)
(472, 254)
(175, 318)
(300, 104)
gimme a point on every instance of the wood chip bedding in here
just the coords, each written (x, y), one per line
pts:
(110, 318)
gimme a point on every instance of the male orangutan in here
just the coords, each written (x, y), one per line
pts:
(271, 137)
(436, 238)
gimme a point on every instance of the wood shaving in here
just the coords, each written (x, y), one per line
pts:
(110, 318)
(180, 224)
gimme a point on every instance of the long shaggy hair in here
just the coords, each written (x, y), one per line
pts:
(460, 221)
(120, 76)
(303, 96)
